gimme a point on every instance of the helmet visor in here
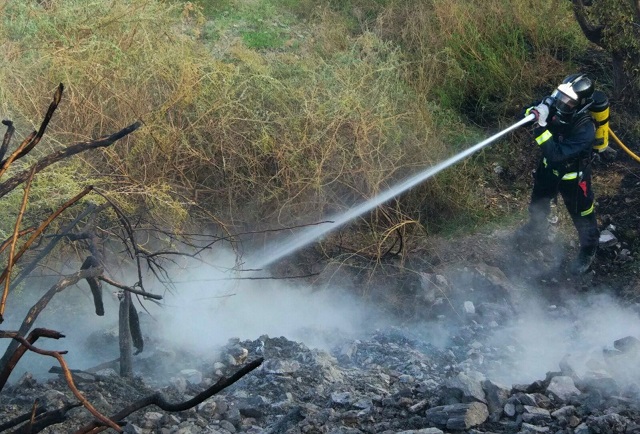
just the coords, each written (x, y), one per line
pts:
(563, 102)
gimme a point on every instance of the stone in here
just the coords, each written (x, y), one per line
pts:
(535, 415)
(562, 387)
(496, 396)
(528, 428)
(607, 239)
(192, 376)
(458, 416)
(466, 387)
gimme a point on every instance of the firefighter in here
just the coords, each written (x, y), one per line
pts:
(565, 133)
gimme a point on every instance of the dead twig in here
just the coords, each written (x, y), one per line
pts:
(129, 288)
(42, 420)
(34, 138)
(159, 400)
(68, 377)
(6, 243)
(7, 137)
(19, 352)
(69, 151)
(26, 270)
(42, 227)
(12, 250)
(37, 308)
(22, 418)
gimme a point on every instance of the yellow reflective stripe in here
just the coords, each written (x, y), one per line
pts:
(543, 137)
(571, 175)
(555, 172)
(544, 161)
(589, 211)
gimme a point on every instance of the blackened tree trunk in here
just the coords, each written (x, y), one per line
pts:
(126, 364)
(614, 25)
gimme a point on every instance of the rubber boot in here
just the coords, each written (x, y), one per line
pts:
(533, 233)
(583, 262)
(589, 235)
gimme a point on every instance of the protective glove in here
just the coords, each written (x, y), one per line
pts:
(542, 112)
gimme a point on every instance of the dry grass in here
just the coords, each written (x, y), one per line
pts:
(345, 105)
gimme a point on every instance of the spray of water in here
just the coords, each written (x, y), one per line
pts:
(309, 235)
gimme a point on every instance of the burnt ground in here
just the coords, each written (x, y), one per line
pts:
(543, 265)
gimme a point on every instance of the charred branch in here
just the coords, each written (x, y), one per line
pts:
(7, 137)
(22, 418)
(19, 352)
(67, 152)
(26, 271)
(159, 400)
(126, 364)
(129, 288)
(44, 419)
(68, 377)
(37, 308)
(136, 331)
(94, 284)
(37, 232)
(34, 138)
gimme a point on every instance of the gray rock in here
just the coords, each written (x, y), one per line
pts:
(466, 387)
(496, 396)
(193, 376)
(341, 398)
(422, 431)
(527, 428)
(458, 416)
(535, 415)
(607, 239)
(278, 366)
(562, 387)
(564, 413)
(510, 409)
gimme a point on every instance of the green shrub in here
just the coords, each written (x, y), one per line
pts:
(484, 58)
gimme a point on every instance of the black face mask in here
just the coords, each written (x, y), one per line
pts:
(559, 122)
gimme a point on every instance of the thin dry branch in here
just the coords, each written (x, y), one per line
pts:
(19, 352)
(34, 138)
(40, 229)
(6, 243)
(129, 288)
(67, 152)
(14, 240)
(124, 221)
(26, 270)
(68, 377)
(37, 308)
(7, 137)
(159, 400)
(42, 420)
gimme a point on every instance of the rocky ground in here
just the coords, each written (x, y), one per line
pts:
(486, 339)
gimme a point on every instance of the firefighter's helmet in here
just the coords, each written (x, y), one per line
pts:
(573, 95)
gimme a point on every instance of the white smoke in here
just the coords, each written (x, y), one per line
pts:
(546, 335)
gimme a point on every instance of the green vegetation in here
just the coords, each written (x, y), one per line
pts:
(261, 113)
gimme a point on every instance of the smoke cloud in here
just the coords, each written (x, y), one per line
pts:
(544, 335)
(211, 305)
